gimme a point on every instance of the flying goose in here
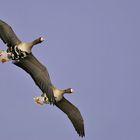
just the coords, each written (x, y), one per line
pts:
(9, 37)
(19, 49)
(22, 57)
(29, 64)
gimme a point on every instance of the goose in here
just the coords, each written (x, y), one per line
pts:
(21, 55)
(9, 37)
(19, 49)
(58, 94)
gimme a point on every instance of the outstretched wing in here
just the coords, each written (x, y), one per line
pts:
(7, 35)
(39, 74)
(73, 114)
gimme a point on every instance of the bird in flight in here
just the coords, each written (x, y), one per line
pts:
(21, 55)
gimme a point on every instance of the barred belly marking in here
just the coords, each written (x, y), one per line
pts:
(16, 53)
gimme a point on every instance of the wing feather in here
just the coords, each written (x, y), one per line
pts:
(39, 74)
(73, 114)
(7, 35)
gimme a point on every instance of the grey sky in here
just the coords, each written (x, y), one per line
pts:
(92, 46)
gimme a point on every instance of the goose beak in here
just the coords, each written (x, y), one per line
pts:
(3, 60)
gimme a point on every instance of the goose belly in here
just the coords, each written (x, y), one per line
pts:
(58, 96)
(16, 53)
(26, 47)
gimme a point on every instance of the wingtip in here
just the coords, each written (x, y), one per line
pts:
(81, 133)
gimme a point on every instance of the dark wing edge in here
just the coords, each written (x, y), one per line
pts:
(39, 74)
(73, 114)
(7, 35)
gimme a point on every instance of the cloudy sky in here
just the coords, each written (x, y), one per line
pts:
(92, 46)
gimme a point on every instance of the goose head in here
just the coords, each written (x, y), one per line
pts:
(39, 100)
(4, 56)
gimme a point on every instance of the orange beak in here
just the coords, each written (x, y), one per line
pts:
(3, 60)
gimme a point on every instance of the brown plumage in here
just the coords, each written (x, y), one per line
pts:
(40, 75)
(73, 114)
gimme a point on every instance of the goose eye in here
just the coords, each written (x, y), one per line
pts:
(45, 98)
